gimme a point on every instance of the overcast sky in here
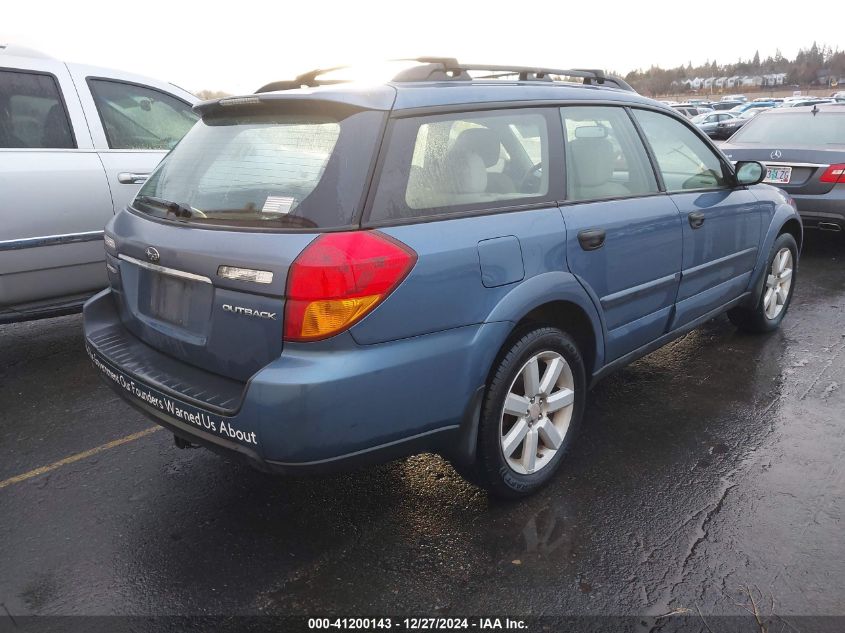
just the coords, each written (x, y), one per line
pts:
(238, 46)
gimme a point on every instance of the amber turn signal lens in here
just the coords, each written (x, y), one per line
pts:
(322, 318)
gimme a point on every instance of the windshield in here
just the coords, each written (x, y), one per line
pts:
(282, 171)
(701, 118)
(794, 128)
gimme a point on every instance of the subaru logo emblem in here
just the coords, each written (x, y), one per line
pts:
(152, 254)
(776, 154)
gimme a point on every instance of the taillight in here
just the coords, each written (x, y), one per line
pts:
(339, 278)
(834, 174)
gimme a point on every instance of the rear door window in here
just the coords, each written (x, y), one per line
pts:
(686, 162)
(453, 163)
(604, 155)
(32, 113)
(139, 117)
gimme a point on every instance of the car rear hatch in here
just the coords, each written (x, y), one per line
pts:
(202, 254)
(803, 151)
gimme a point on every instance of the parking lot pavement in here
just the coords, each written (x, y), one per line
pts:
(707, 473)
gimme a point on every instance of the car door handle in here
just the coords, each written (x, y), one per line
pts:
(128, 178)
(591, 239)
(696, 219)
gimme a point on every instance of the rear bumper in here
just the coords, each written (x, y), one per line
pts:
(319, 406)
(820, 209)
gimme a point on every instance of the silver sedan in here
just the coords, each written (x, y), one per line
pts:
(713, 124)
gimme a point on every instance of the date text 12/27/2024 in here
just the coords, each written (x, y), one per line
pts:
(417, 624)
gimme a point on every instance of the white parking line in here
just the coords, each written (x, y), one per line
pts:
(79, 456)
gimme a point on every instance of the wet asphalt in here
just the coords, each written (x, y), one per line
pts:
(707, 474)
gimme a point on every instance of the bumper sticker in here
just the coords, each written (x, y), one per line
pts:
(196, 417)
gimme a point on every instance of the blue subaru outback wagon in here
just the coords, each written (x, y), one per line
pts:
(325, 274)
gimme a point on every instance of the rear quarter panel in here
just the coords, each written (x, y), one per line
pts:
(445, 288)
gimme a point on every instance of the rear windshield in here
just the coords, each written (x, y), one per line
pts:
(273, 171)
(794, 128)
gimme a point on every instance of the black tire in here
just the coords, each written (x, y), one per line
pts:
(755, 319)
(493, 469)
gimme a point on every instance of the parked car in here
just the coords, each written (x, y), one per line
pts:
(751, 113)
(726, 105)
(289, 288)
(727, 127)
(741, 98)
(75, 144)
(687, 110)
(752, 106)
(714, 124)
(800, 103)
(803, 149)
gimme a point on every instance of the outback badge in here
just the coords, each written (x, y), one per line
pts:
(261, 314)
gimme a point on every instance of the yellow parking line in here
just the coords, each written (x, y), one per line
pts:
(75, 458)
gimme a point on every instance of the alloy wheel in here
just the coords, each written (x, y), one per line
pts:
(778, 283)
(537, 412)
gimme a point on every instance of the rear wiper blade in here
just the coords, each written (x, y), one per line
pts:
(177, 209)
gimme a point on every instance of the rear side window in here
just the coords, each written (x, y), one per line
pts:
(794, 128)
(138, 117)
(274, 171)
(604, 155)
(685, 161)
(461, 162)
(32, 114)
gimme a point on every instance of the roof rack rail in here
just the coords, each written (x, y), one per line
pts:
(532, 73)
(450, 69)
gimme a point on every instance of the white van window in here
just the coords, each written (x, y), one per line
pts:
(32, 114)
(137, 117)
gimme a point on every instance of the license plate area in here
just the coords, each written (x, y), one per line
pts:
(175, 302)
(169, 299)
(778, 175)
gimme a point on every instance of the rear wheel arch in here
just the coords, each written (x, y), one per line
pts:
(560, 300)
(568, 317)
(793, 227)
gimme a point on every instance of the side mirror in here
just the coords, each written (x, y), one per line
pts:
(750, 172)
